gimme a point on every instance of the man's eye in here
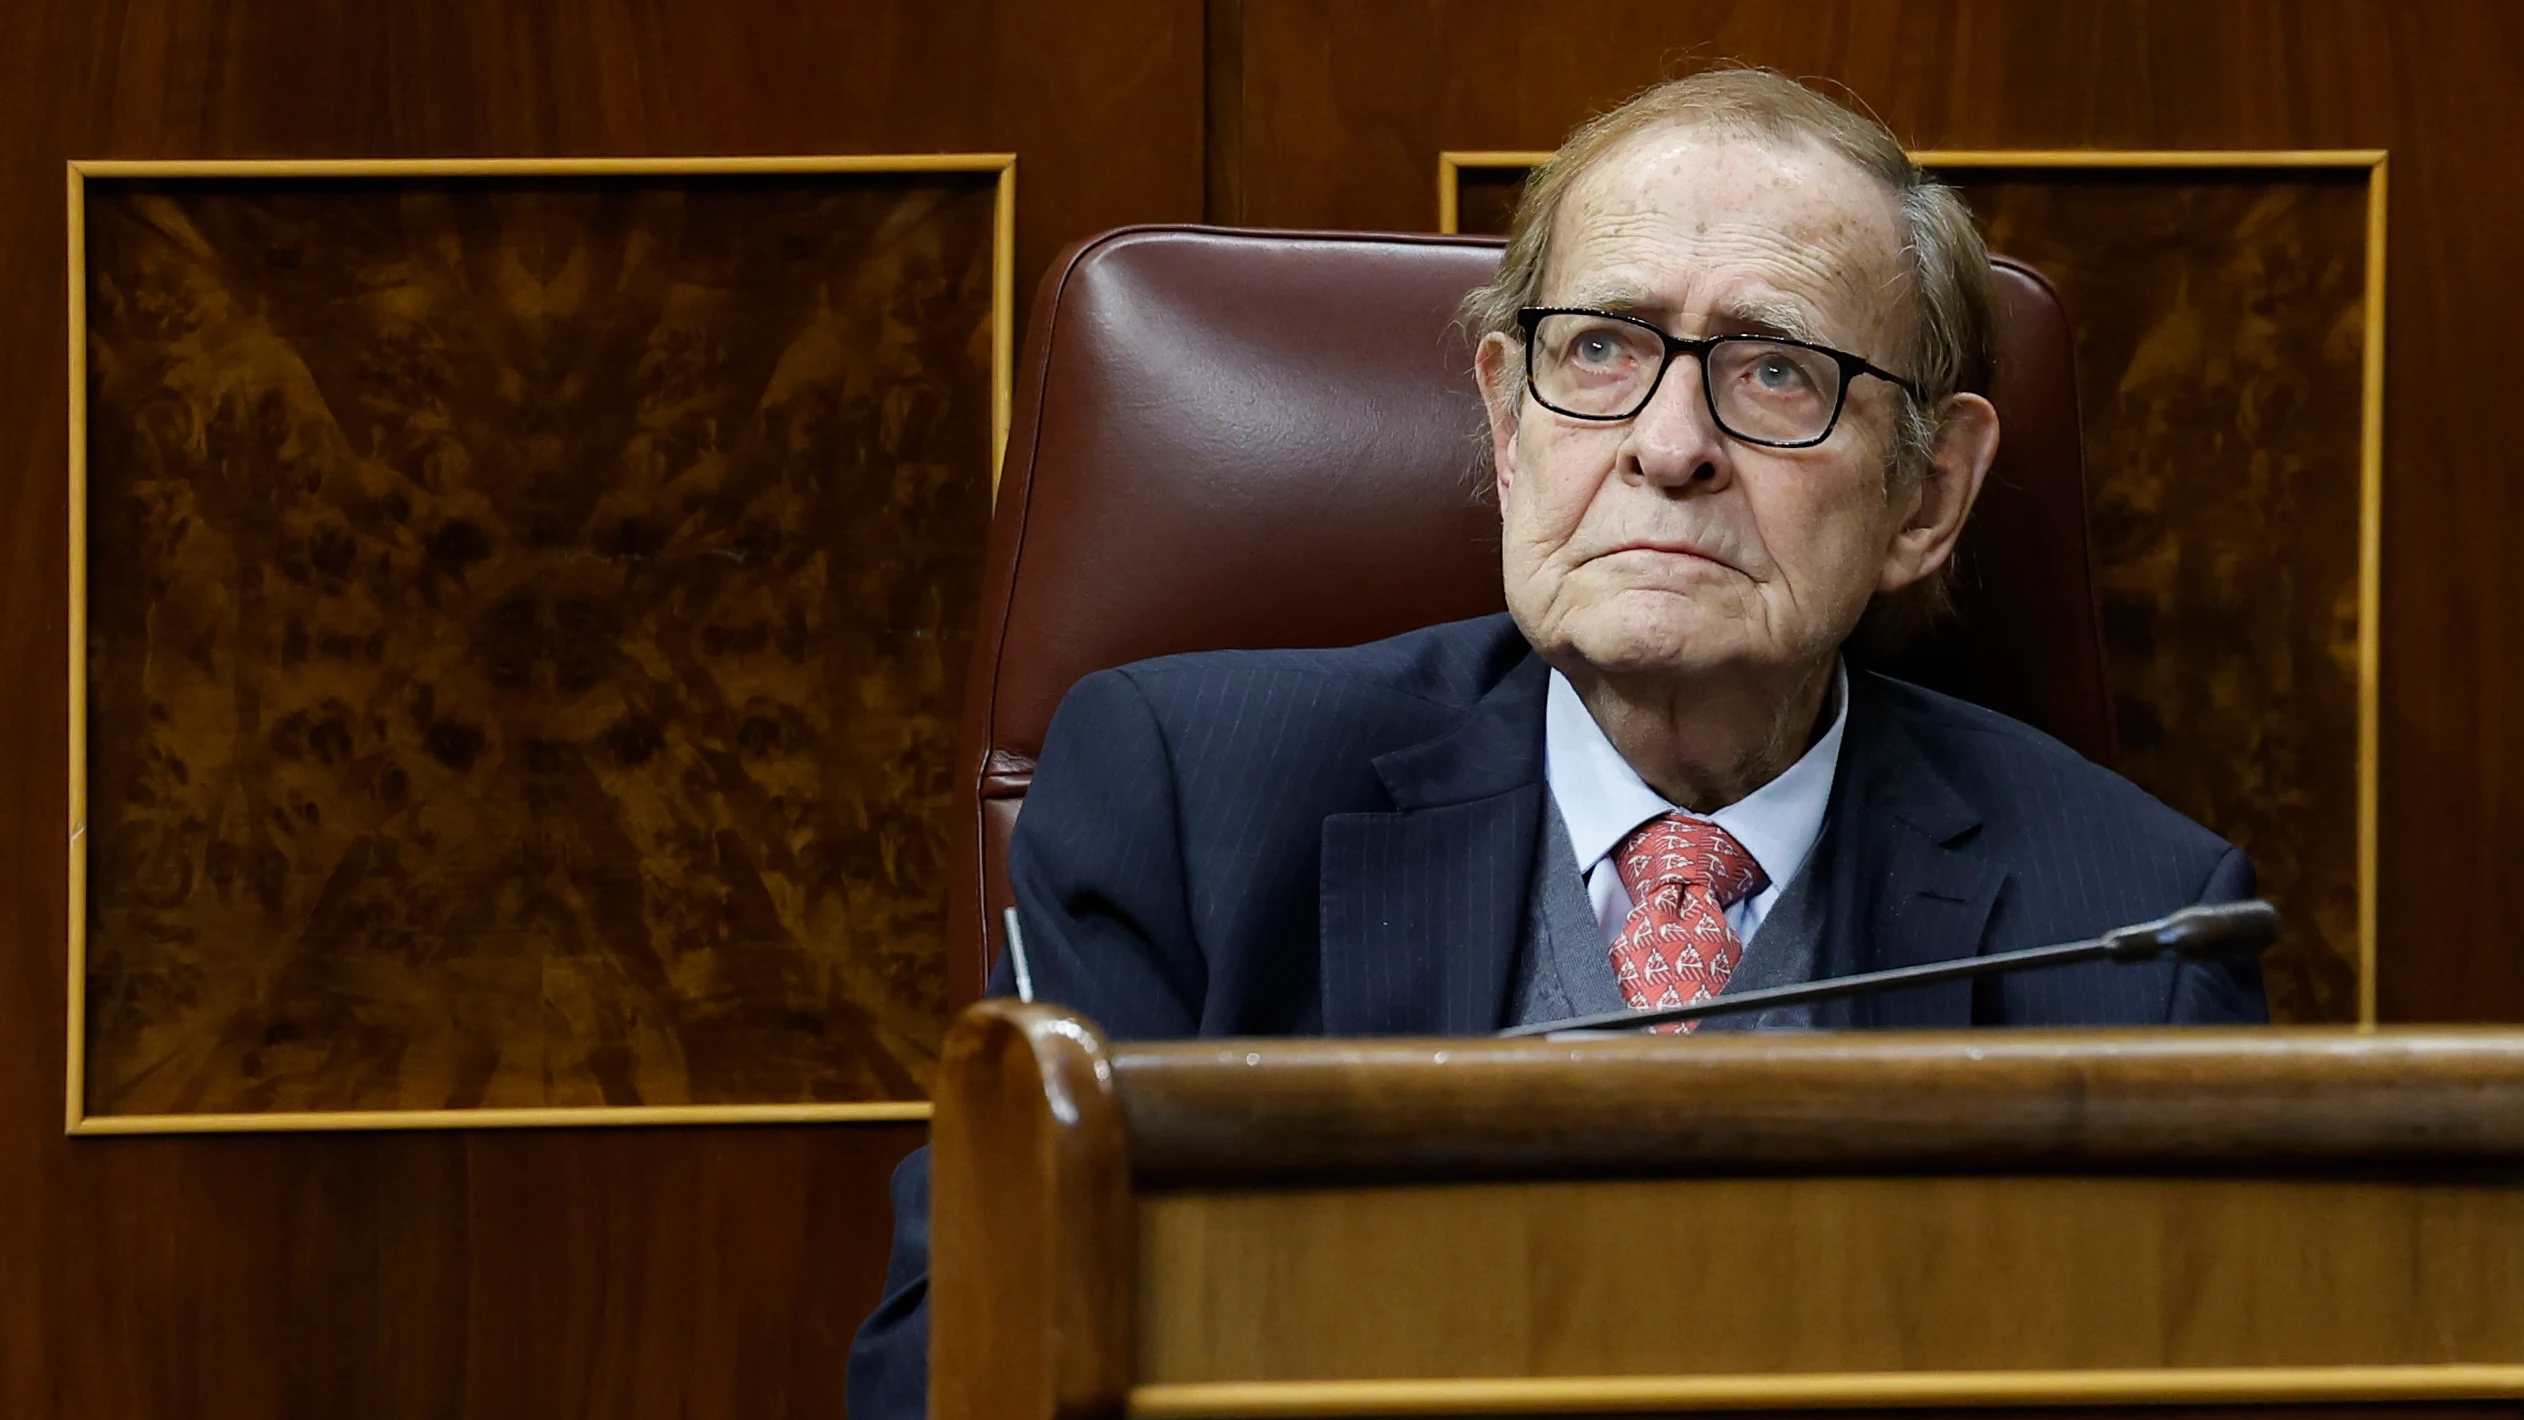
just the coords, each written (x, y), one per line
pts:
(1778, 374)
(1596, 348)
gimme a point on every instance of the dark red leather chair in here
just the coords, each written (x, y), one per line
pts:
(1253, 439)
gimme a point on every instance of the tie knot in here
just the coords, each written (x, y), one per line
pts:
(1678, 852)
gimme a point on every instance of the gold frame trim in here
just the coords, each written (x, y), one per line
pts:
(2236, 1385)
(2370, 573)
(75, 1119)
(1450, 174)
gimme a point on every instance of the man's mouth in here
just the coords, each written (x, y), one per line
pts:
(1669, 547)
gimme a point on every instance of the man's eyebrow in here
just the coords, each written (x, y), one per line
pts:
(1764, 317)
(1620, 300)
(1754, 316)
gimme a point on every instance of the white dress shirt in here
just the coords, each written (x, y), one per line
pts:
(1601, 798)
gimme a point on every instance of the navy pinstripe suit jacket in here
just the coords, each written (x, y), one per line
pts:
(1293, 842)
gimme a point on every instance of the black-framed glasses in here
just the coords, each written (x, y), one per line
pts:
(1762, 389)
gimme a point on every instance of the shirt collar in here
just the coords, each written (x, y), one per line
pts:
(1601, 798)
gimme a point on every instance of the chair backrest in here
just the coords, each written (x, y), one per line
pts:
(1269, 439)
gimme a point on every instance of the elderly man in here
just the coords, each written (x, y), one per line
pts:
(1727, 361)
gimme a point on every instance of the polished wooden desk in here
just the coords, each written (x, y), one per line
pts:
(2203, 1219)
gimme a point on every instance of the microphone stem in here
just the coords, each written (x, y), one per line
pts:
(1016, 955)
(1925, 974)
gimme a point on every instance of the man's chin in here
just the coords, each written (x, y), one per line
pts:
(1668, 645)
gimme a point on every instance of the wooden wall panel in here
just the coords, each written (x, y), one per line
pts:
(1347, 107)
(527, 620)
(677, 1272)
(2220, 359)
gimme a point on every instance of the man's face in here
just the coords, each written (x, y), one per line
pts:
(1660, 546)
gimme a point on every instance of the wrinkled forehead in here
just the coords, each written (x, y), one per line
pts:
(1696, 224)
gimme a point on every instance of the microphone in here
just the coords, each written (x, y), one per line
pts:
(2213, 929)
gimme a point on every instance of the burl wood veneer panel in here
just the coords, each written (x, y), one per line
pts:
(527, 619)
(2220, 342)
(2220, 327)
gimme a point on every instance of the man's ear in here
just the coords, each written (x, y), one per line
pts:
(1967, 440)
(1494, 367)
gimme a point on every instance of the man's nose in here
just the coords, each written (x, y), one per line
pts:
(1674, 443)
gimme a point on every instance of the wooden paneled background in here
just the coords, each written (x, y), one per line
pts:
(719, 1272)
(673, 1272)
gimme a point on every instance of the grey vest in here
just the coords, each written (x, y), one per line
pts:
(1564, 966)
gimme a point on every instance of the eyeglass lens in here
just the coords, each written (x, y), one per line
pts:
(1760, 389)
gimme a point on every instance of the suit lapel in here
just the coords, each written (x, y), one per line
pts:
(1912, 880)
(1422, 906)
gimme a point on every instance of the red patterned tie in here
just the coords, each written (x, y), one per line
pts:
(1676, 947)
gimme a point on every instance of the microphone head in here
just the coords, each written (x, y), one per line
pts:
(2213, 929)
